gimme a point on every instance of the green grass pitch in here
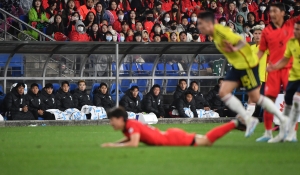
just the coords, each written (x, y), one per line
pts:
(73, 150)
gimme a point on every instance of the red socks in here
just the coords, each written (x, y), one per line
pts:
(220, 131)
(268, 120)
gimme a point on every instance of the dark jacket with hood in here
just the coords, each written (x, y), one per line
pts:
(214, 99)
(81, 98)
(103, 100)
(199, 99)
(48, 100)
(152, 103)
(130, 103)
(181, 103)
(35, 102)
(64, 100)
(13, 102)
(178, 92)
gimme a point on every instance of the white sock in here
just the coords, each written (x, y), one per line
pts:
(235, 105)
(295, 112)
(269, 133)
(250, 109)
(287, 110)
(269, 106)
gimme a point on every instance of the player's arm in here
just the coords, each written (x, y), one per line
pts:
(260, 54)
(229, 47)
(279, 65)
(132, 142)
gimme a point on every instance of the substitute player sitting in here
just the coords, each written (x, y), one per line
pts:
(244, 71)
(292, 96)
(136, 132)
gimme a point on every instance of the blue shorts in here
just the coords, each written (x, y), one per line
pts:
(291, 89)
(249, 78)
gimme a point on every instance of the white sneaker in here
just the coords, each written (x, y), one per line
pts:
(282, 132)
(265, 138)
(251, 124)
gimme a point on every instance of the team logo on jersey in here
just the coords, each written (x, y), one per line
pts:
(39, 101)
(159, 102)
(21, 101)
(130, 130)
(137, 103)
(71, 98)
(88, 97)
(53, 100)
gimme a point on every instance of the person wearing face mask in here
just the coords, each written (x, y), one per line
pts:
(117, 24)
(247, 35)
(85, 9)
(252, 6)
(148, 24)
(195, 36)
(80, 33)
(262, 14)
(165, 22)
(122, 37)
(74, 18)
(108, 36)
(175, 14)
(244, 10)
(174, 27)
(222, 21)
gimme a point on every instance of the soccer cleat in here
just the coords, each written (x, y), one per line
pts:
(251, 124)
(282, 132)
(240, 126)
(291, 137)
(265, 138)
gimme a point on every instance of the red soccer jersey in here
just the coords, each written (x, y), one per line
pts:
(153, 136)
(275, 40)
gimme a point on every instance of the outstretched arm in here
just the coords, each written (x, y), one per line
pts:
(125, 142)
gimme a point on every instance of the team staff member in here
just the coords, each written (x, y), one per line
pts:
(274, 38)
(292, 96)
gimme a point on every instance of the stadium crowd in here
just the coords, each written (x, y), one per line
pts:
(34, 104)
(142, 20)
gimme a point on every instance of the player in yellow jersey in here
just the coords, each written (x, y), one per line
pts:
(292, 95)
(244, 72)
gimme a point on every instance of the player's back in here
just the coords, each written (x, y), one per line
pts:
(293, 49)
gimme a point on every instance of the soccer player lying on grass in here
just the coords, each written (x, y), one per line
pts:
(292, 95)
(244, 72)
(136, 132)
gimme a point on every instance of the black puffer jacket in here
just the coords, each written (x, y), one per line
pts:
(200, 101)
(48, 100)
(130, 103)
(64, 100)
(103, 100)
(214, 99)
(178, 93)
(13, 102)
(152, 103)
(34, 102)
(81, 98)
(181, 103)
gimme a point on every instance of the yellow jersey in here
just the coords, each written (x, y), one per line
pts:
(262, 63)
(293, 49)
(241, 59)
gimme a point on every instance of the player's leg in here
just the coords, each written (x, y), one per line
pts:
(231, 82)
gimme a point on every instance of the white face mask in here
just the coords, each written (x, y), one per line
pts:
(108, 38)
(262, 8)
(121, 17)
(167, 19)
(194, 19)
(80, 29)
(223, 23)
(122, 38)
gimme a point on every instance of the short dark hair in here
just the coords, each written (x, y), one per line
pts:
(181, 81)
(187, 93)
(134, 87)
(156, 86)
(33, 85)
(49, 85)
(20, 84)
(65, 82)
(220, 79)
(207, 15)
(102, 84)
(117, 113)
(278, 5)
(182, 32)
(191, 83)
(81, 81)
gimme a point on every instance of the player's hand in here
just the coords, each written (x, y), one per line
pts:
(271, 67)
(228, 47)
(107, 145)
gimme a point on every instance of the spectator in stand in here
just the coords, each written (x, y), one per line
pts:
(195, 36)
(223, 21)
(200, 101)
(173, 37)
(174, 27)
(183, 36)
(117, 24)
(89, 21)
(122, 36)
(80, 33)
(239, 4)
(193, 18)
(244, 11)
(37, 17)
(137, 5)
(153, 102)
(63, 97)
(184, 22)
(113, 10)
(209, 38)
(157, 12)
(131, 100)
(240, 21)
(81, 97)
(224, 4)
(148, 24)
(175, 14)
(206, 4)
(102, 97)
(251, 19)
(85, 9)
(157, 38)
(268, 3)
(125, 27)
(105, 3)
(263, 14)
(130, 36)
(51, 10)
(156, 30)
(183, 102)
(296, 11)
(100, 13)
(34, 101)
(48, 101)
(67, 12)
(166, 5)
(108, 36)
(165, 22)
(180, 89)
(262, 23)
(213, 7)
(16, 104)
(55, 27)
(252, 6)
(220, 13)
(232, 13)
(94, 33)
(124, 5)
(103, 32)
(216, 103)
(247, 35)
(132, 19)
(232, 26)
(72, 25)
(138, 27)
